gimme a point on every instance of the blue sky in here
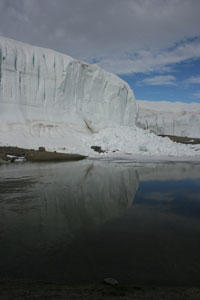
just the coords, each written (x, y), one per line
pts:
(152, 44)
(181, 83)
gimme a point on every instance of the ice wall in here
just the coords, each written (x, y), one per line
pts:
(41, 88)
(180, 119)
(49, 99)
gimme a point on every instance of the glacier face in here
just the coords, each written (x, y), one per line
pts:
(167, 118)
(45, 93)
(50, 99)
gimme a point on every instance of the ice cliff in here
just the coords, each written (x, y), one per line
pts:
(50, 99)
(41, 89)
(180, 119)
(49, 85)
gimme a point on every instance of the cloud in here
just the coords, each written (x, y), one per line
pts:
(193, 80)
(151, 61)
(128, 35)
(159, 80)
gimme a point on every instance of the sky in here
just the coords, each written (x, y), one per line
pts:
(154, 45)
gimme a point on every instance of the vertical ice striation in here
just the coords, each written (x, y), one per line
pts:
(50, 99)
(43, 85)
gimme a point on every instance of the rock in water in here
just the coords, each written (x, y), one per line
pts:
(110, 281)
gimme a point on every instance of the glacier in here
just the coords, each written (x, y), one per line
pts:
(50, 99)
(169, 118)
(45, 93)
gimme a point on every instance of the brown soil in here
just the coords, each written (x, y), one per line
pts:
(29, 290)
(182, 140)
(36, 155)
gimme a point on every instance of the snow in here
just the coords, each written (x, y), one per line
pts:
(167, 118)
(140, 142)
(50, 99)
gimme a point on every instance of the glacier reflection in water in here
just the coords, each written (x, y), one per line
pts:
(46, 208)
(83, 221)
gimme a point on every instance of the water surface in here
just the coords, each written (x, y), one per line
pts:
(80, 222)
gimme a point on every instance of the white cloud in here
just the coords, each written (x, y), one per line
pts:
(151, 61)
(159, 80)
(128, 35)
(194, 79)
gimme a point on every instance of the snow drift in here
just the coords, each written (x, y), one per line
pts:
(180, 119)
(50, 99)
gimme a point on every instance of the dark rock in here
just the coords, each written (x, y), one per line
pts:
(97, 149)
(3, 157)
(41, 149)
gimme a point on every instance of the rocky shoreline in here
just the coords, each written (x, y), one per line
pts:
(12, 154)
(25, 289)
